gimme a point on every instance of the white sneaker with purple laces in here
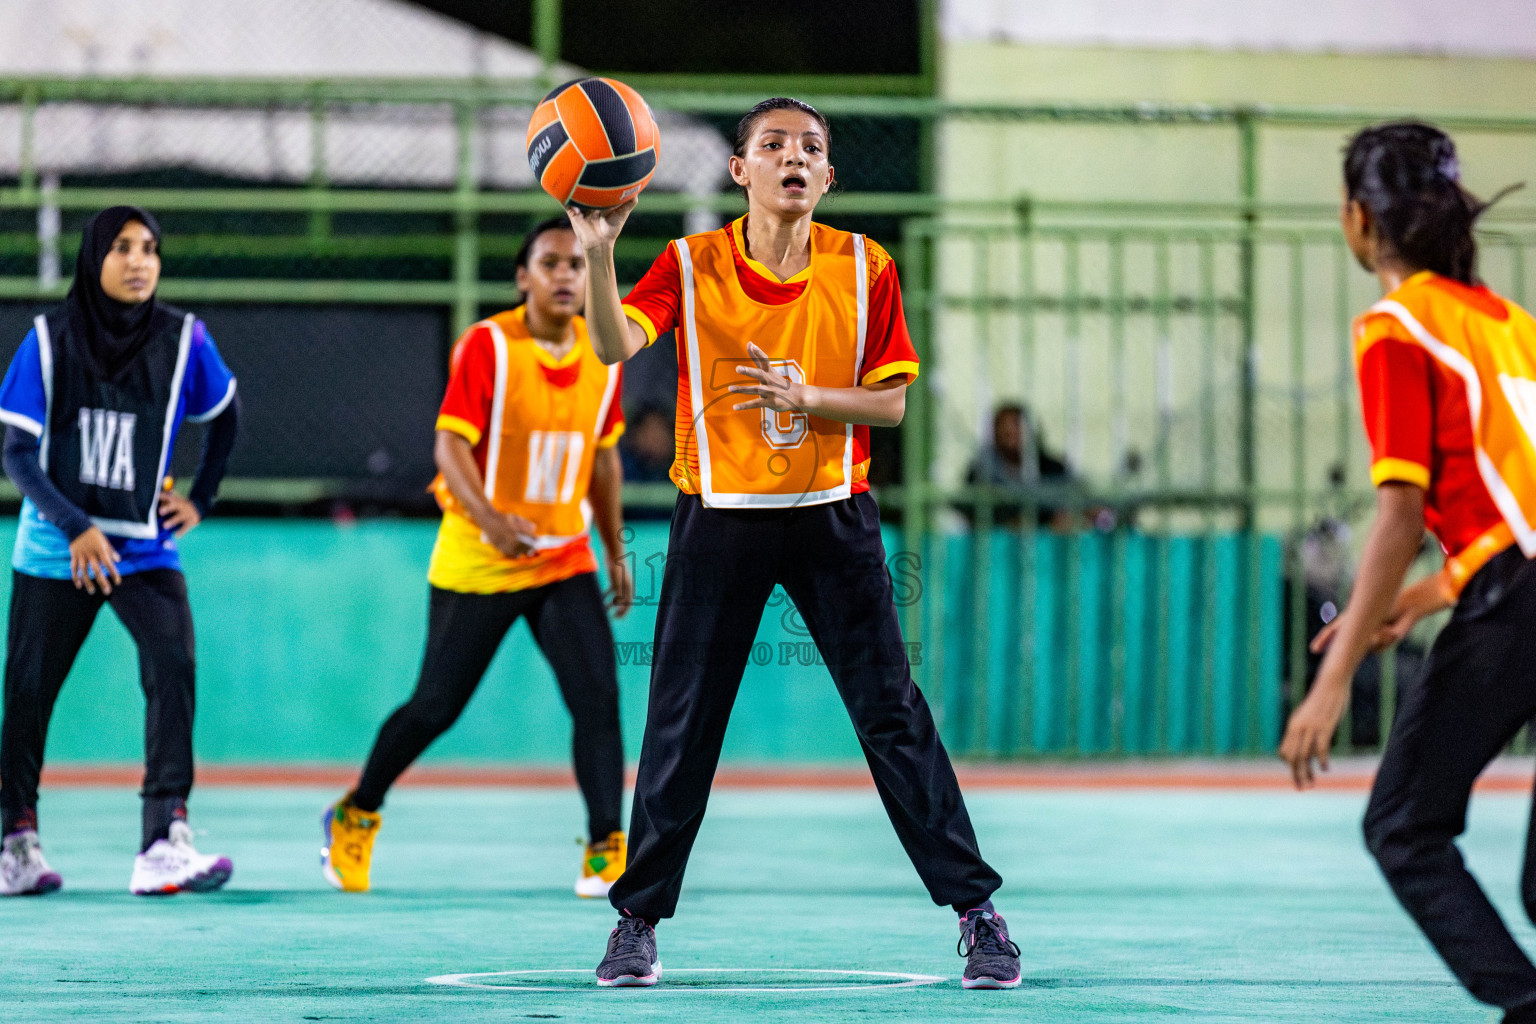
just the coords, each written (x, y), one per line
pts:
(173, 865)
(991, 958)
(23, 871)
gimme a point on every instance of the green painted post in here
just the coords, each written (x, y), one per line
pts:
(466, 248)
(319, 216)
(1345, 386)
(935, 653)
(1071, 584)
(928, 76)
(1116, 612)
(922, 273)
(1026, 582)
(1248, 141)
(546, 37)
(1297, 337)
(28, 174)
(1248, 169)
(1517, 270)
(979, 718)
(1208, 307)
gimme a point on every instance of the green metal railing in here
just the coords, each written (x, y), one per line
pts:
(1190, 355)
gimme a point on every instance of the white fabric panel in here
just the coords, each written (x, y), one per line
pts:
(1475, 27)
(387, 145)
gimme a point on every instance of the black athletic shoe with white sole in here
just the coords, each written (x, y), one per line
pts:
(631, 959)
(991, 958)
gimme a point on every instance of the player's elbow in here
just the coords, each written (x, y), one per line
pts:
(612, 350)
(895, 408)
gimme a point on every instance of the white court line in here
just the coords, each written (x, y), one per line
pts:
(903, 980)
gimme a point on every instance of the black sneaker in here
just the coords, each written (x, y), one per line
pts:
(991, 958)
(631, 958)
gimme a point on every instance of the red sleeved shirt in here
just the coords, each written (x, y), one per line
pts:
(655, 303)
(1420, 429)
(466, 408)
(462, 560)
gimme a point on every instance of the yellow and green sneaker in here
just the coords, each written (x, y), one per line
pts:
(348, 849)
(602, 866)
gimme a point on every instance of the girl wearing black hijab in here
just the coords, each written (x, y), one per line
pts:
(92, 404)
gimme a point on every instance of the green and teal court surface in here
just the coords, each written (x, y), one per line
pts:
(1128, 906)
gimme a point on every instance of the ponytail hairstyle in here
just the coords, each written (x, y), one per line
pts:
(561, 223)
(1407, 175)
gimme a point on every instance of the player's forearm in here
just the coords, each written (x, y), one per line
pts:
(217, 446)
(606, 493)
(881, 404)
(1390, 549)
(455, 459)
(611, 332)
(26, 471)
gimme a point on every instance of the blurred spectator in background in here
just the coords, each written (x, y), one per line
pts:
(1015, 461)
(646, 452)
(646, 447)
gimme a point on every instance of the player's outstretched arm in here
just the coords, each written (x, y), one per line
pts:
(614, 336)
(510, 534)
(881, 404)
(1390, 549)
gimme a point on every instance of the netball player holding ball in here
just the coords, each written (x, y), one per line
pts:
(92, 404)
(791, 343)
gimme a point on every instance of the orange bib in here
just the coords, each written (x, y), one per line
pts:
(1491, 345)
(546, 417)
(756, 458)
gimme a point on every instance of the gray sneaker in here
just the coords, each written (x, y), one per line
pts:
(631, 959)
(991, 958)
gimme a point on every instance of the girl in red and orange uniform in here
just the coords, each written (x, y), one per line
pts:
(1448, 385)
(525, 446)
(791, 344)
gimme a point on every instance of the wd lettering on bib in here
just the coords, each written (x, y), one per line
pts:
(106, 448)
(554, 464)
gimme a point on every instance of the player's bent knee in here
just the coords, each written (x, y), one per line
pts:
(434, 719)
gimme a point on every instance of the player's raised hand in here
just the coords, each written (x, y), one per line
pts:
(772, 389)
(599, 229)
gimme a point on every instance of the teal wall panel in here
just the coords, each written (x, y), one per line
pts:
(1134, 644)
(309, 633)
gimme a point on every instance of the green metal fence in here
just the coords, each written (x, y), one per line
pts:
(1189, 357)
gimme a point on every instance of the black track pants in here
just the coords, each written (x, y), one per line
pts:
(1478, 690)
(49, 622)
(722, 566)
(570, 625)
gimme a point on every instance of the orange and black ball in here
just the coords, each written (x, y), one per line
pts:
(593, 142)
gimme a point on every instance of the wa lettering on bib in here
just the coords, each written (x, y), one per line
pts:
(107, 440)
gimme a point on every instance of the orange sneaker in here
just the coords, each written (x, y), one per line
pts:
(348, 850)
(602, 866)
